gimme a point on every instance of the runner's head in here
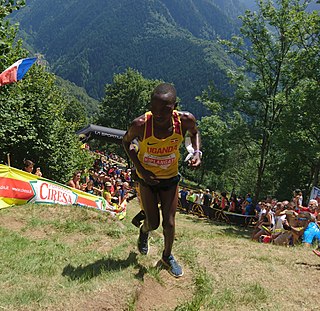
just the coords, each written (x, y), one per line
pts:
(163, 102)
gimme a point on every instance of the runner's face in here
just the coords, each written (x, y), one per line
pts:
(162, 106)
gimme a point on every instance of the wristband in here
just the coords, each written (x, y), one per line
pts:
(198, 151)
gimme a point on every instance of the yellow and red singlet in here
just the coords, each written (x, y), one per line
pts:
(161, 156)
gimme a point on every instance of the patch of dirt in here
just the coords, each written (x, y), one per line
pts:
(167, 296)
(150, 295)
(11, 223)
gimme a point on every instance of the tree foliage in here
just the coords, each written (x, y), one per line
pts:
(126, 98)
(87, 42)
(274, 34)
(35, 123)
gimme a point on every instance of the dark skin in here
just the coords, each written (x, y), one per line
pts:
(162, 106)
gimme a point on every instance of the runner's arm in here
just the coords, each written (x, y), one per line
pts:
(135, 131)
(189, 125)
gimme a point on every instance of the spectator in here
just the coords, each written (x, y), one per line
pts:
(297, 199)
(107, 192)
(265, 224)
(248, 207)
(234, 204)
(191, 197)
(207, 200)
(183, 198)
(28, 166)
(312, 231)
(75, 181)
(38, 172)
(224, 201)
(90, 188)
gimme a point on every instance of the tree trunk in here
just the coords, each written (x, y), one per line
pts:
(263, 154)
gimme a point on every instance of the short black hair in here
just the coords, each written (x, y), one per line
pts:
(164, 88)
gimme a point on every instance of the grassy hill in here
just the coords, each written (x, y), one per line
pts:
(72, 258)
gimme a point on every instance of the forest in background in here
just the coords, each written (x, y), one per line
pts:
(263, 137)
(176, 41)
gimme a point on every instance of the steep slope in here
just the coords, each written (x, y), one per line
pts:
(87, 42)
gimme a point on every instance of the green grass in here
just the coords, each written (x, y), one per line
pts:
(67, 258)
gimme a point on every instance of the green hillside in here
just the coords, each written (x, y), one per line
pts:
(87, 42)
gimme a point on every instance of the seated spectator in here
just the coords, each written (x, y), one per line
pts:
(313, 207)
(265, 224)
(312, 231)
(280, 217)
(119, 192)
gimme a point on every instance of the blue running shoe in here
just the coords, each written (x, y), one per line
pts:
(143, 242)
(172, 266)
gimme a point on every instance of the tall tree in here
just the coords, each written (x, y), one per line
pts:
(272, 37)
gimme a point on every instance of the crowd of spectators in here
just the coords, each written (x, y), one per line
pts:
(108, 177)
(236, 204)
(280, 222)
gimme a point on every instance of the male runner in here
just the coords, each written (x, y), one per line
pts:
(160, 133)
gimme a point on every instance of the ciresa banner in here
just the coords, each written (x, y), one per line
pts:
(18, 187)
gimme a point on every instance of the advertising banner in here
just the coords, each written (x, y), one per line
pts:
(315, 194)
(18, 187)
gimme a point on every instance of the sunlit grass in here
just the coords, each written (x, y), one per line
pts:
(51, 257)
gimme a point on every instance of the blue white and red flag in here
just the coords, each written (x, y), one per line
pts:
(16, 71)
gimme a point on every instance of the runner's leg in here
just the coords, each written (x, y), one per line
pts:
(149, 200)
(169, 203)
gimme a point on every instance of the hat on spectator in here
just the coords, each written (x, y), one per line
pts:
(108, 184)
(315, 202)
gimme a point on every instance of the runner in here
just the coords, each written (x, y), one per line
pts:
(160, 133)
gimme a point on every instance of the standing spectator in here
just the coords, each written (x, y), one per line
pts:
(183, 198)
(234, 204)
(248, 207)
(224, 201)
(191, 197)
(207, 200)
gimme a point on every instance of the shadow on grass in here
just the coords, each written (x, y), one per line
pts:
(85, 273)
(237, 232)
(228, 229)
